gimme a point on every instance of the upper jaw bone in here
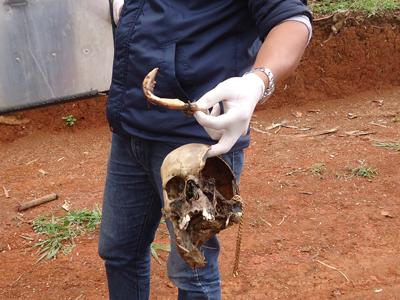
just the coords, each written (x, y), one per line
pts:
(149, 83)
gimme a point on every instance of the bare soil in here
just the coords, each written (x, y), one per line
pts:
(307, 236)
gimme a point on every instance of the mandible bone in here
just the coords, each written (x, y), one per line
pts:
(201, 198)
(148, 86)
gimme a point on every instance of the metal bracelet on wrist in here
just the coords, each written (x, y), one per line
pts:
(271, 83)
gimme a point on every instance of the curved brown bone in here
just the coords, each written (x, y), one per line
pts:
(149, 83)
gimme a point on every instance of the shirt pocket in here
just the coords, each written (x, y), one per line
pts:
(168, 84)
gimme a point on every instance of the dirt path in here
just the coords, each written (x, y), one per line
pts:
(307, 236)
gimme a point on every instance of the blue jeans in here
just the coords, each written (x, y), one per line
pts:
(131, 215)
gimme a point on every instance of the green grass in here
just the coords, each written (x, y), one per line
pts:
(58, 233)
(318, 169)
(69, 120)
(370, 7)
(155, 247)
(363, 171)
(388, 145)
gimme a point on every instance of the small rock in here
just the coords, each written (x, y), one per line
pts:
(351, 116)
(43, 172)
(305, 249)
(386, 214)
(336, 293)
(297, 114)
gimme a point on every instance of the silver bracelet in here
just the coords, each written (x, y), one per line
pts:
(271, 83)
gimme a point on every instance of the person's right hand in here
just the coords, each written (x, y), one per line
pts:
(117, 7)
(239, 96)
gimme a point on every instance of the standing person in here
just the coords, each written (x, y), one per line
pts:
(223, 51)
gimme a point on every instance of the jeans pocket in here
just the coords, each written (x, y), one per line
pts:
(235, 161)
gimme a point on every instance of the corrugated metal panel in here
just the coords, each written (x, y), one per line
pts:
(52, 50)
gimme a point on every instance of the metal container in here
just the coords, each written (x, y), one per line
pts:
(53, 50)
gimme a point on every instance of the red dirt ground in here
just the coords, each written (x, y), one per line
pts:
(296, 224)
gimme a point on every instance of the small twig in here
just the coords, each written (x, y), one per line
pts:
(333, 268)
(275, 125)
(290, 126)
(321, 132)
(304, 129)
(36, 202)
(379, 102)
(15, 281)
(305, 193)
(299, 170)
(6, 192)
(266, 222)
(259, 130)
(27, 238)
(32, 161)
(377, 124)
(323, 18)
(283, 220)
(359, 132)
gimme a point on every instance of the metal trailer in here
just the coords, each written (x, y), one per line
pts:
(53, 51)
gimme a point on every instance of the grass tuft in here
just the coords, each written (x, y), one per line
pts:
(318, 169)
(69, 120)
(364, 171)
(58, 233)
(388, 145)
(371, 7)
(155, 247)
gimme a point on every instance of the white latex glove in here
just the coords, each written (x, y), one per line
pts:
(117, 7)
(239, 96)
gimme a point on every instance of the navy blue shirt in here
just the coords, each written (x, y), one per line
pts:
(196, 45)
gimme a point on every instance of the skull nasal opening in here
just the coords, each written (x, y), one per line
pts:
(191, 190)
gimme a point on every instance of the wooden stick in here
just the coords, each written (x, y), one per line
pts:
(283, 220)
(333, 268)
(36, 202)
(259, 130)
(321, 132)
(6, 192)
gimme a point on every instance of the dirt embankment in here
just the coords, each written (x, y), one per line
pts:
(364, 55)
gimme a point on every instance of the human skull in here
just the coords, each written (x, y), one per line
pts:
(201, 198)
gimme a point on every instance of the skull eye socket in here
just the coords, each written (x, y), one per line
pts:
(175, 187)
(221, 175)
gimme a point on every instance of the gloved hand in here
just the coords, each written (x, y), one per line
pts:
(117, 7)
(239, 96)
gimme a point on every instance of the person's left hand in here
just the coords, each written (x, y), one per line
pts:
(239, 96)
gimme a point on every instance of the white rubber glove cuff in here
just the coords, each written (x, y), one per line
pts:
(257, 82)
